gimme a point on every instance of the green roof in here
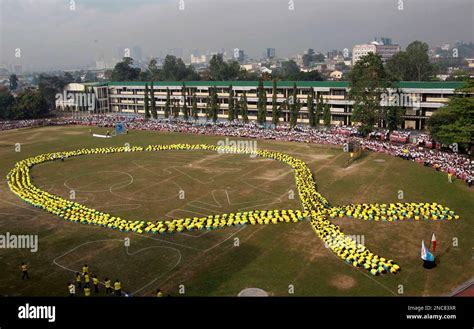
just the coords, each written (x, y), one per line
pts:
(301, 84)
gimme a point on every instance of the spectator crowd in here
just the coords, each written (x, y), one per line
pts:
(418, 148)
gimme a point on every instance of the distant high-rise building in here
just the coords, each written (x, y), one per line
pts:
(200, 59)
(271, 53)
(386, 41)
(333, 54)
(137, 54)
(241, 57)
(385, 51)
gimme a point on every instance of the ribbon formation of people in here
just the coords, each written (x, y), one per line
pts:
(315, 207)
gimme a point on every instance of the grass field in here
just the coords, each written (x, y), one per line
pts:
(171, 184)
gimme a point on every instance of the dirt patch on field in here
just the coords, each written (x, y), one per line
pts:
(274, 174)
(342, 282)
(302, 239)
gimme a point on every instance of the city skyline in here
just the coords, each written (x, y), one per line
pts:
(54, 34)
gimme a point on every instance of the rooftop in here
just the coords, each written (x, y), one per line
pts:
(283, 84)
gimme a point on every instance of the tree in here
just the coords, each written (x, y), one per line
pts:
(195, 111)
(146, 103)
(153, 70)
(291, 72)
(393, 113)
(6, 103)
(394, 117)
(413, 64)
(176, 109)
(327, 114)
(154, 113)
(185, 103)
(124, 70)
(318, 112)
(214, 105)
(49, 86)
(295, 107)
(261, 104)
(245, 108)
(397, 66)
(310, 106)
(30, 104)
(311, 56)
(13, 82)
(220, 70)
(208, 107)
(275, 107)
(174, 69)
(168, 103)
(454, 123)
(231, 114)
(289, 68)
(367, 82)
(237, 108)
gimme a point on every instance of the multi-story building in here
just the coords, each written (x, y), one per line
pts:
(270, 53)
(419, 99)
(385, 51)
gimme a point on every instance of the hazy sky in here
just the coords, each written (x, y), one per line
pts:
(51, 35)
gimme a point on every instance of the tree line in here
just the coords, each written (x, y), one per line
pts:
(187, 106)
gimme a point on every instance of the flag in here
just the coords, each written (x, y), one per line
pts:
(423, 250)
(433, 243)
(425, 254)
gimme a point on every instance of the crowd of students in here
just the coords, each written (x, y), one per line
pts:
(395, 143)
(315, 207)
(93, 281)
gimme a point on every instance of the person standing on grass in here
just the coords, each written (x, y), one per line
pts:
(108, 286)
(95, 281)
(72, 289)
(24, 270)
(87, 278)
(87, 290)
(78, 280)
(85, 269)
(159, 293)
(118, 288)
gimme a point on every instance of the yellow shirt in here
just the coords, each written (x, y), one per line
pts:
(117, 286)
(107, 284)
(87, 292)
(95, 280)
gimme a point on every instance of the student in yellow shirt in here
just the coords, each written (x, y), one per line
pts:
(108, 286)
(87, 278)
(24, 270)
(118, 288)
(159, 293)
(78, 280)
(87, 290)
(95, 281)
(85, 269)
